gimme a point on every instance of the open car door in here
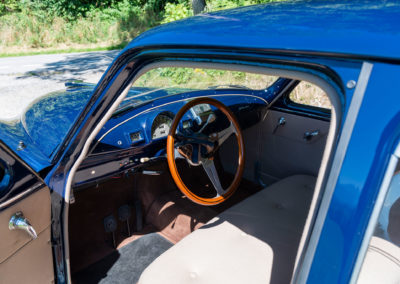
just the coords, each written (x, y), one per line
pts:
(25, 218)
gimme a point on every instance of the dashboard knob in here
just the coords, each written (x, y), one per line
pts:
(144, 160)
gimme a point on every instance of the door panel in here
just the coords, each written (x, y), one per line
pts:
(22, 259)
(274, 152)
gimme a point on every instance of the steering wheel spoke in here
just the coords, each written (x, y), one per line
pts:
(209, 167)
(223, 135)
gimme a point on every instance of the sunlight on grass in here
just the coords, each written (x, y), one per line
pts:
(309, 94)
(200, 78)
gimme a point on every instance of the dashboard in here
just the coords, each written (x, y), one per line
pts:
(132, 139)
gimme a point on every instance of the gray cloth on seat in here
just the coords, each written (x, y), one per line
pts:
(255, 241)
(125, 264)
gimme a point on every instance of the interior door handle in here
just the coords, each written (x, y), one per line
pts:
(281, 122)
(19, 222)
(310, 135)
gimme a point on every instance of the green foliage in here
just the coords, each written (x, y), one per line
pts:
(67, 23)
(179, 76)
(70, 10)
(174, 12)
(214, 5)
(199, 78)
(8, 6)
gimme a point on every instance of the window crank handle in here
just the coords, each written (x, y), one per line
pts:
(310, 135)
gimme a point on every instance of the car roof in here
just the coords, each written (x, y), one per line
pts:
(360, 29)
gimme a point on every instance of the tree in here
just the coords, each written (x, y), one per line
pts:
(198, 6)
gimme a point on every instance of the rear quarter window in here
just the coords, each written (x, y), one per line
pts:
(308, 94)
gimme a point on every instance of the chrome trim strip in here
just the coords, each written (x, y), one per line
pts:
(349, 123)
(22, 195)
(150, 109)
(397, 151)
(374, 217)
(71, 174)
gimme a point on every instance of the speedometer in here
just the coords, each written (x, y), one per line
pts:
(161, 126)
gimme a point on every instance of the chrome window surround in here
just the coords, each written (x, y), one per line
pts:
(303, 270)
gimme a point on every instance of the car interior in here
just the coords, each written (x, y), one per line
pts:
(168, 195)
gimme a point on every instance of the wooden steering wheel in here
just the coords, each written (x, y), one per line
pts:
(199, 149)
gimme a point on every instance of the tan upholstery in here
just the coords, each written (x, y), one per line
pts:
(381, 264)
(23, 260)
(279, 153)
(255, 241)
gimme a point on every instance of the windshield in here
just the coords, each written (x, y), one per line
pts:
(46, 122)
(167, 81)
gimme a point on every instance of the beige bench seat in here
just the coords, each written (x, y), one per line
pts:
(381, 263)
(255, 241)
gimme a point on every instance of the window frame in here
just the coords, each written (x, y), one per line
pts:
(128, 66)
(6, 171)
(285, 104)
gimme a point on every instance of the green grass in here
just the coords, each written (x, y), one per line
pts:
(57, 51)
(29, 32)
(201, 78)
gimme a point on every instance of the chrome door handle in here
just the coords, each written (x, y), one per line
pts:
(19, 222)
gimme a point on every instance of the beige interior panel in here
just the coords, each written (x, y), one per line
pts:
(31, 264)
(22, 259)
(279, 151)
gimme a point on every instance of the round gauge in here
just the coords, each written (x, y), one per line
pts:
(161, 126)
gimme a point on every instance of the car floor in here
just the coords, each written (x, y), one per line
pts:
(168, 216)
(126, 264)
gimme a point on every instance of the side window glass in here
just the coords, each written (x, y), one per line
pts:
(309, 94)
(382, 260)
(15, 178)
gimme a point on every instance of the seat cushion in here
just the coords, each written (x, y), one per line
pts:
(254, 241)
(381, 263)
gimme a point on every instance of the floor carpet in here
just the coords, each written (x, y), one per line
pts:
(126, 264)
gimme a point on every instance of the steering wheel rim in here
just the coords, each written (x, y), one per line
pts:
(171, 153)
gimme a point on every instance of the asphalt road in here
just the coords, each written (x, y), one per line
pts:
(24, 79)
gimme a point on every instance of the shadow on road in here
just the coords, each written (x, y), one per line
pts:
(73, 66)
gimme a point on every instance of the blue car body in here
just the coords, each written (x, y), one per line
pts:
(337, 41)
